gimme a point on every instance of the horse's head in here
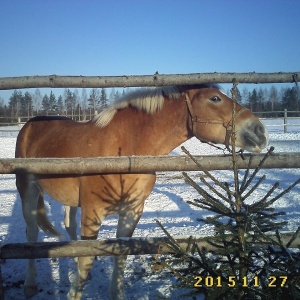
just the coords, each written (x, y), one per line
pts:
(210, 120)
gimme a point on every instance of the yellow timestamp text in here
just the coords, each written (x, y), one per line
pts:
(232, 281)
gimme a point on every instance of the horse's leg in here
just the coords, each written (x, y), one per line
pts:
(90, 226)
(126, 225)
(29, 193)
(70, 221)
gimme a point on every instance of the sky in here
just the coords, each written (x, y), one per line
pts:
(134, 37)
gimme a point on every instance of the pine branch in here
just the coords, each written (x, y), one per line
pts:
(209, 199)
(254, 187)
(173, 242)
(259, 166)
(246, 173)
(284, 192)
(293, 237)
(262, 204)
(201, 168)
(227, 199)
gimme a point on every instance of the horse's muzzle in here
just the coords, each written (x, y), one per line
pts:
(254, 137)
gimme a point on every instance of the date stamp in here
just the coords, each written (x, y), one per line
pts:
(232, 281)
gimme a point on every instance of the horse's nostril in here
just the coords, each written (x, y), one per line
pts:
(259, 130)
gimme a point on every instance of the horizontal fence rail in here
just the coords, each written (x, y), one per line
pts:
(117, 246)
(56, 81)
(141, 164)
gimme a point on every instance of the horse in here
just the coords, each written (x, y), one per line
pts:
(147, 121)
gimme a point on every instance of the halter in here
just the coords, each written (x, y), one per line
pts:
(227, 125)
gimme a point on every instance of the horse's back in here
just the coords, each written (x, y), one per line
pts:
(40, 133)
(49, 118)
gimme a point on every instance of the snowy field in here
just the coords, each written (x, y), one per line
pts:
(167, 203)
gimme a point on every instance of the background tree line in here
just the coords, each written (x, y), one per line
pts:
(270, 100)
(70, 103)
(80, 106)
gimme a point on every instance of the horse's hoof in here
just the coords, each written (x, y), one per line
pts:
(89, 277)
(74, 295)
(30, 290)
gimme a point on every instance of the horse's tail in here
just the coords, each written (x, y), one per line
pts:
(42, 219)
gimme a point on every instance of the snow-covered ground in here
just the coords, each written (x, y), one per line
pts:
(167, 203)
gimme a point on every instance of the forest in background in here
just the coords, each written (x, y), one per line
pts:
(81, 106)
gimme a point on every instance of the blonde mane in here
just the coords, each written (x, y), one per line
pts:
(149, 100)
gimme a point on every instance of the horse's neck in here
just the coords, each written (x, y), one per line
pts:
(163, 131)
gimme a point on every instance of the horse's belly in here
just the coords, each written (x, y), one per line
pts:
(113, 194)
(64, 190)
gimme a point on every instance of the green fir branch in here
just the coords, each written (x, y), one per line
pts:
(207, 173)
(259, 166)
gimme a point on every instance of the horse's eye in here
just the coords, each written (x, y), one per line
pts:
(215, 99)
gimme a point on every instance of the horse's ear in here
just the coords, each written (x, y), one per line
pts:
(189, 91)
(184, 88)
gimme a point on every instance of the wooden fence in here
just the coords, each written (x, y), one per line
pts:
(286, 117)
(133, 164)
(129, 164)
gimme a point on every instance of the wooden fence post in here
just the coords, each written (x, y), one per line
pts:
(285, 120)
(19, 123)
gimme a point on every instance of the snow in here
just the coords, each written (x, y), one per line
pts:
(167, 203)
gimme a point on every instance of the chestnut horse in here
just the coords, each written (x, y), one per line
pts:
(145, 122)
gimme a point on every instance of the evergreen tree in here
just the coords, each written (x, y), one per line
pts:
(112, 95)
(93, 100)
(253, 101)
(289, 99)
(84, 100)
(69, 102)
(37, 101)
(76, 101)
(117, 96)
(1, 103)
(260, 100)
(245, 96)
(46, 104)
(26, 105)
(241, 265)
(22, 106)
(52, 104)
(238, 96)
(2, 108)
(15, 103)
(103, 99)
(60, 105)
(273, 99)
